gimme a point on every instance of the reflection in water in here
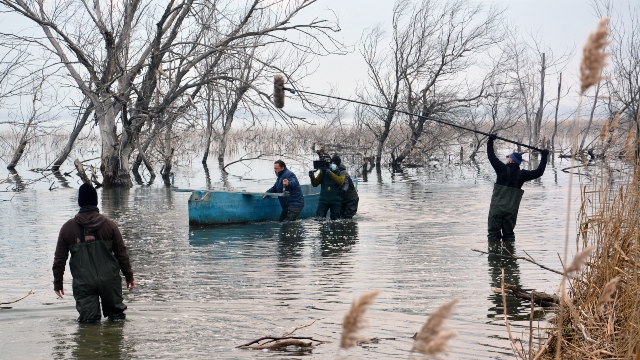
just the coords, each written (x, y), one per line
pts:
(511, 276)
(104, 340)
(338, 237)
(291, 242)
(63, 180)
(114, 202)
(517, 309)
(16, 179)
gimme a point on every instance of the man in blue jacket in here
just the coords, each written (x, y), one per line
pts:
(293, 204)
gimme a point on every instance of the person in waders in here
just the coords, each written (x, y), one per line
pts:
(331, 181)
(349, 193)
(98, 254)
(507, 192)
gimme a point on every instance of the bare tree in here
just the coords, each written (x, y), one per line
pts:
(529, 66)
(117, 59)
(453, 34)
(622, 78)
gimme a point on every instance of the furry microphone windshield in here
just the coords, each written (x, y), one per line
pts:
(278, 91)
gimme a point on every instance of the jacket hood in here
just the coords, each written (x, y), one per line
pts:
(90, 220)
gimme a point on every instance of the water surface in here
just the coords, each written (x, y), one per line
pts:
(203, 291)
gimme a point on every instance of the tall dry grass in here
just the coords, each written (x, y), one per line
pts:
(603, 313)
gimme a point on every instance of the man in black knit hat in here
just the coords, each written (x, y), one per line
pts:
(98, 254)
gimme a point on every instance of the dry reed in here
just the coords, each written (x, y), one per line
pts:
(594, 58)
(602, 311)
(431, 339)
(354, 320)
(581, 258)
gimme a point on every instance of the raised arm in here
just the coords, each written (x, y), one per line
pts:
(493, 159)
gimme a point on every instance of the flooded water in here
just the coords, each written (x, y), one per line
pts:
(203, 291)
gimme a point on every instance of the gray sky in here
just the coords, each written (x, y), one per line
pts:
(562, 25)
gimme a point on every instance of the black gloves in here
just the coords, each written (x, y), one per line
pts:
(544, 153)
(493, 137)
(311, 173)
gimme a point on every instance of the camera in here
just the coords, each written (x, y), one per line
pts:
(325, 160)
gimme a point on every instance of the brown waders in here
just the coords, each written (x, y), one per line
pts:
(503, 212)
(96, 274)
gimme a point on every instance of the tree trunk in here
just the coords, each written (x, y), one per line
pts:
(62, 157)
(167, 156)
(538, 119)
(18, 153)
(555, 123)
(115, 159)
(222, 149)
(207, 143)
(593, 110)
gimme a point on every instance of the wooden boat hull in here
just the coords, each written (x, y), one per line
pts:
(224, 207)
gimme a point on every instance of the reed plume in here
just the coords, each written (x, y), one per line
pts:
(607, 293)
(594, 58)
(579, 260)
(354, 320)
(431, 339)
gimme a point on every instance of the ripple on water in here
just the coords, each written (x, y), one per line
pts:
(203, 291)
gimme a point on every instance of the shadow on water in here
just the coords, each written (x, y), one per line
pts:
(95, 341)
(516, 308)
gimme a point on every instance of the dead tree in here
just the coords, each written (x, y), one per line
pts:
(454, 32)
(99, 46)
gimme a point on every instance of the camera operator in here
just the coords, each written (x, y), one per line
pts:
(350, 198)
(331, 180)
(293, 204)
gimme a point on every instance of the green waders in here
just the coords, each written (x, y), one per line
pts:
(330, 199)
(96, 274)
(503, 212)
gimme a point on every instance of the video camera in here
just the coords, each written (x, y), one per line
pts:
(325, 160)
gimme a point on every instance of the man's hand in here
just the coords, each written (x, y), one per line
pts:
(60, 293)
(285, 182)
(544, 152)
(311, 172)
(493, 137)
(131, 285)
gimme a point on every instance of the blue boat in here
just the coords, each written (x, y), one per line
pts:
(209, 207)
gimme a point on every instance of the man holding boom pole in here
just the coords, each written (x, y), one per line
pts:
(507, 192)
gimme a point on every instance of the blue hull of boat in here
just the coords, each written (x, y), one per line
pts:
(224, 207)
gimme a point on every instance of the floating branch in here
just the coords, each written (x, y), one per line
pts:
(276, 343)
(15, 301)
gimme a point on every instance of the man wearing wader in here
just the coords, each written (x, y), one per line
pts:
(331, 180)
(292, 204)
(507, 192)
(350, 198)
(98, 254)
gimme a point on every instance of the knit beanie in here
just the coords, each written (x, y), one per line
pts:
(336, 159)
(516, 157)
(87, 195)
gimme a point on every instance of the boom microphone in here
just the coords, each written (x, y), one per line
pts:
(278, 101)
(278, 91)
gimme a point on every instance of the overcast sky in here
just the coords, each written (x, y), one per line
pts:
(562, 25)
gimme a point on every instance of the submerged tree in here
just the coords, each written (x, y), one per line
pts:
(117, 53)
